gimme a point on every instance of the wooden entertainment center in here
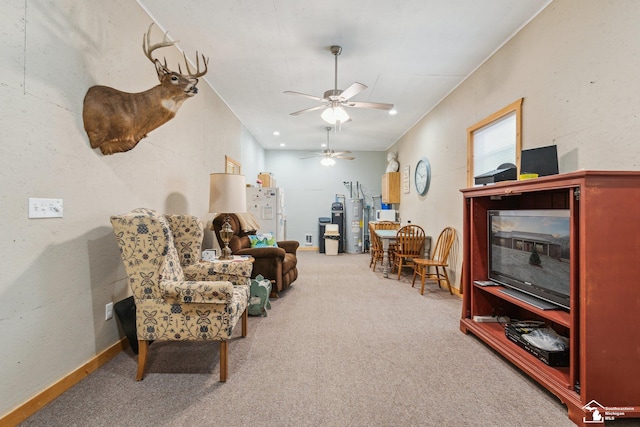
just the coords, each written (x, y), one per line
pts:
(603, 323)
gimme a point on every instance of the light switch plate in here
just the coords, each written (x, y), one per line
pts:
(45, 208)
(108, 311)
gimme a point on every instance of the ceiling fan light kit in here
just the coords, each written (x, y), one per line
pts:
(327, 161)
(333, 115)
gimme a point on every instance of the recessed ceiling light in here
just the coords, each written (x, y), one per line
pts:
(324, 144)
(282, 144)
(393, 112)
(276, 133)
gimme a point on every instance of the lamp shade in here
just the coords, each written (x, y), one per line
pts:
(227, 193)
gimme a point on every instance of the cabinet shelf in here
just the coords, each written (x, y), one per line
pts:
(603, 265)
(559, 317)
(493, 334)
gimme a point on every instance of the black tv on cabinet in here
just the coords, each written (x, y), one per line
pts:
(542, 160)
(529, 252)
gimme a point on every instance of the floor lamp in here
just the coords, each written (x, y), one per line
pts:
(227, 194)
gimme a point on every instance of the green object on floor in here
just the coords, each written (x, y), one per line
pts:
(259, 296)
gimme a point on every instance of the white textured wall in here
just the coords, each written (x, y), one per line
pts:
(576, 66)
(58, 274)
(310, 188)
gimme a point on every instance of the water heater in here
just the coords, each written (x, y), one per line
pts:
(353, 225)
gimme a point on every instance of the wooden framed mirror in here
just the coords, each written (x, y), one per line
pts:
(231, 166)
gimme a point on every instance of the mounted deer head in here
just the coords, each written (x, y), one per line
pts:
(116, 121)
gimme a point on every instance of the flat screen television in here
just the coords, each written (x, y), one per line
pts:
(529, 252)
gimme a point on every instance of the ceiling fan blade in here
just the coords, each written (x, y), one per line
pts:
(374, 105)
(340, 153)
(344, 157)
(319, 107)
(314, 156)
(305, 95)
(352, 90)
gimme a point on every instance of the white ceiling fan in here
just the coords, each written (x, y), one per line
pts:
(328, 155)
(334, 100)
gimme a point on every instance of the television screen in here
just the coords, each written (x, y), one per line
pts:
(542, 160)
(529, 252)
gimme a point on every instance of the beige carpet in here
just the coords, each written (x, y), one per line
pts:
(342, 347)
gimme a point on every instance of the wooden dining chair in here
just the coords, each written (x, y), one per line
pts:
(377, 252)
(409, 246)
(439, 261)
(377, 248)
(388, 225)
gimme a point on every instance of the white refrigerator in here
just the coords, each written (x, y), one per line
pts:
(267, 206)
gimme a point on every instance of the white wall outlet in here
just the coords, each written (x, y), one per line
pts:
(108, 311)
(45, 208)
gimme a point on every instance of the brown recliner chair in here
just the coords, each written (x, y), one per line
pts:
(278, 264)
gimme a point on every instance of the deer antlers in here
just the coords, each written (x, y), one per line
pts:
(148, 48)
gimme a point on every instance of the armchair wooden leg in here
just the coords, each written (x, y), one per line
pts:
(224, 352)
(245, 321)
(143, 346)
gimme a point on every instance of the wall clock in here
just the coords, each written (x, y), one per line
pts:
(422, 176)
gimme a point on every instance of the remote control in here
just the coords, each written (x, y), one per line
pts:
(485, 283)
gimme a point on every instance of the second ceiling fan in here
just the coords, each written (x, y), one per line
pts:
(334, 100)
(328, 155)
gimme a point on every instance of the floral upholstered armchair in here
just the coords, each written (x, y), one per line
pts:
(170, 307)
(188, 234)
